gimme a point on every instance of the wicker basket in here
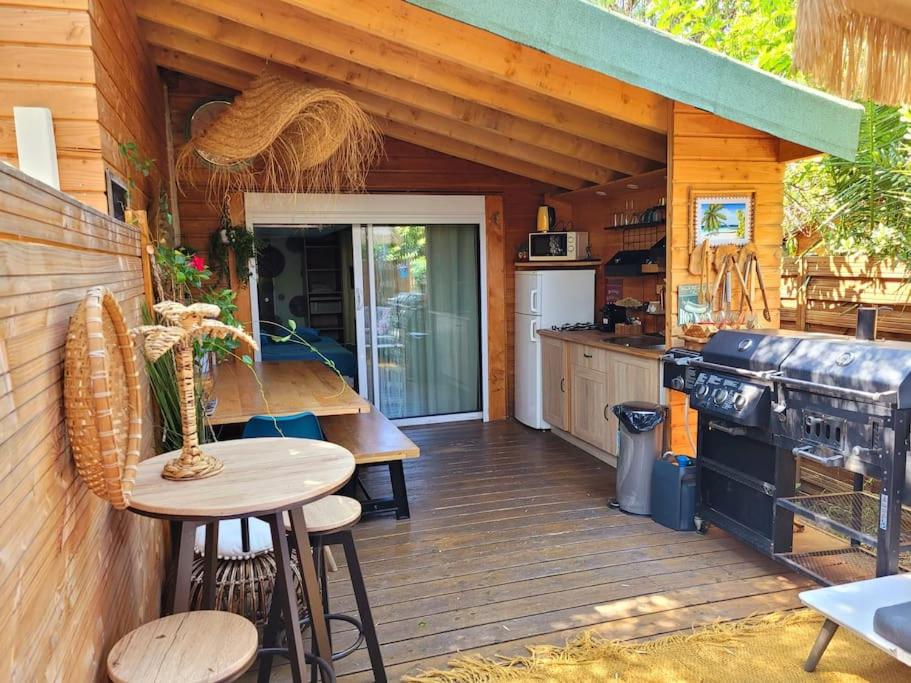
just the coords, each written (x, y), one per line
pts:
(244, 586)
(102, 399)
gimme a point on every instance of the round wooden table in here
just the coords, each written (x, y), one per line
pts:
(261, 478)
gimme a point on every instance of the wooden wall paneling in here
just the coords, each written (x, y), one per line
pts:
(77, 574)
(131, 100)
(716, 154)
(46, 61)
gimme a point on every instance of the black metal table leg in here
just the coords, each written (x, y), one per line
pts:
(311, 588)
(399, 492)
(270, 639)
(363, 607)
(211, 566)
(284, 592)
(179, 596)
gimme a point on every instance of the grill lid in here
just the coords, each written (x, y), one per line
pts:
(847, 363)
(758, 350)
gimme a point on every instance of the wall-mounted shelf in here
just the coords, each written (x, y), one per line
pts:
(633, 226)
(545, 265)
(644, 181)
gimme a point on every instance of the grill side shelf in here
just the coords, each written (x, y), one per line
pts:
(830, 567)
(854, 515)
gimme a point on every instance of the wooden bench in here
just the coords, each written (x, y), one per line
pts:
(374, 440)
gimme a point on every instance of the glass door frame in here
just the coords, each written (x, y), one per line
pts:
(384, 209)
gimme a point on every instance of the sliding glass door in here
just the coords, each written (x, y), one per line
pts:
(421, 319)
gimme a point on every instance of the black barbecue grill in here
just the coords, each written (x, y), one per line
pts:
(767, 397)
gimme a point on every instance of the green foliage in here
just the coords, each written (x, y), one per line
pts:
(163, 217)
(868, 207)
(242, 242)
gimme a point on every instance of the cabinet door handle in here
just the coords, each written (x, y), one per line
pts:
(563, 384)
(606, 406)
(587, 355)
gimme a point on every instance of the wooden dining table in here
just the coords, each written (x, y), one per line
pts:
(281, 388)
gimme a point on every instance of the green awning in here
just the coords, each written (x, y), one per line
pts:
(681, 70)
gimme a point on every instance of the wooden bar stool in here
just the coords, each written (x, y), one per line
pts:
(191, 647)
(329, 522)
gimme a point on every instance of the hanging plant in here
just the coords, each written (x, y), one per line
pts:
(236, 238)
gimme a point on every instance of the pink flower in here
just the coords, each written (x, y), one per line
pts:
(198, 262)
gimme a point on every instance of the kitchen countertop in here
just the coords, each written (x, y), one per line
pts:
(595, 339)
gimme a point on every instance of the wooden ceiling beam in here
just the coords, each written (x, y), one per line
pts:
(440, 143)
(361, 51)
(219, 54)
(482, 52)
(238, 80)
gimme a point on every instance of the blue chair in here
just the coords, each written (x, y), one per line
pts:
(300, 426)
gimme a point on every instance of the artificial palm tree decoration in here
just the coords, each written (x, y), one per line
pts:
(186, 325)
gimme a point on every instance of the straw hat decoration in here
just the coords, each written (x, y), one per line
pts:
(281, 135)
(857, 48)
(186, 324)
(102, 398)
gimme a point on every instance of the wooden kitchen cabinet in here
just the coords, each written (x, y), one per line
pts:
(555, 383)
(630, 378)
(589, 413)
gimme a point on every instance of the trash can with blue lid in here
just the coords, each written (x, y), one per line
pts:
(640, 439)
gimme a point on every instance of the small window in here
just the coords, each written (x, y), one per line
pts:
(118, 195)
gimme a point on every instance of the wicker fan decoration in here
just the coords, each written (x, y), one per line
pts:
(102, 399)
(186, 324)
(280, 135)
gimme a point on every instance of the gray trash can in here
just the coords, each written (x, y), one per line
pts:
(641, 436)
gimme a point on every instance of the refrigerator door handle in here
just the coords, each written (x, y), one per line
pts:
(532, 329)
(534, 301)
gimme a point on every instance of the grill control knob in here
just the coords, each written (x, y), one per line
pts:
(678, 383)
(739, 401)
(702, 391)
(720, 396)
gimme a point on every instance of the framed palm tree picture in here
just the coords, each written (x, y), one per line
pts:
(722, 218)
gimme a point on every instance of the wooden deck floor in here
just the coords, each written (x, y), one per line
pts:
(510, 543)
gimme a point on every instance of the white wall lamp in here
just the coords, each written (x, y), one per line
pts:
(35, 144)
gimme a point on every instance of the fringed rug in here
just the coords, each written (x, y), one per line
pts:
(767, 648)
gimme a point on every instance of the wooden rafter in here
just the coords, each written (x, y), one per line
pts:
(236, 79)
(649, 151)
(379, 106)
(363, 51)
(485, 53)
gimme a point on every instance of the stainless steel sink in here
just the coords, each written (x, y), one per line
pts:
(638, 341)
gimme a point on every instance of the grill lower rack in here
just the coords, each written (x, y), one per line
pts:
(852, 514)
(830, 567)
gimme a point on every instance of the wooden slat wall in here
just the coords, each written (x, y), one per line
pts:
(710, 153)
(76, 574)
(130, 95)
(833, 287)
(86, 62)
(407, 168)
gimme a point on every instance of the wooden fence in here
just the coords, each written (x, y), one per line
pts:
(75, 574)
(822, 294)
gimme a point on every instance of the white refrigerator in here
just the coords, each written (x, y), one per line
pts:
(545, 298)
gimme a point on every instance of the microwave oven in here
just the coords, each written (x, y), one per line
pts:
(557, 246)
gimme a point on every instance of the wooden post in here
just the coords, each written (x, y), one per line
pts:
(803, 281)
(495, 231)
(237, 213)
(139, 218)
